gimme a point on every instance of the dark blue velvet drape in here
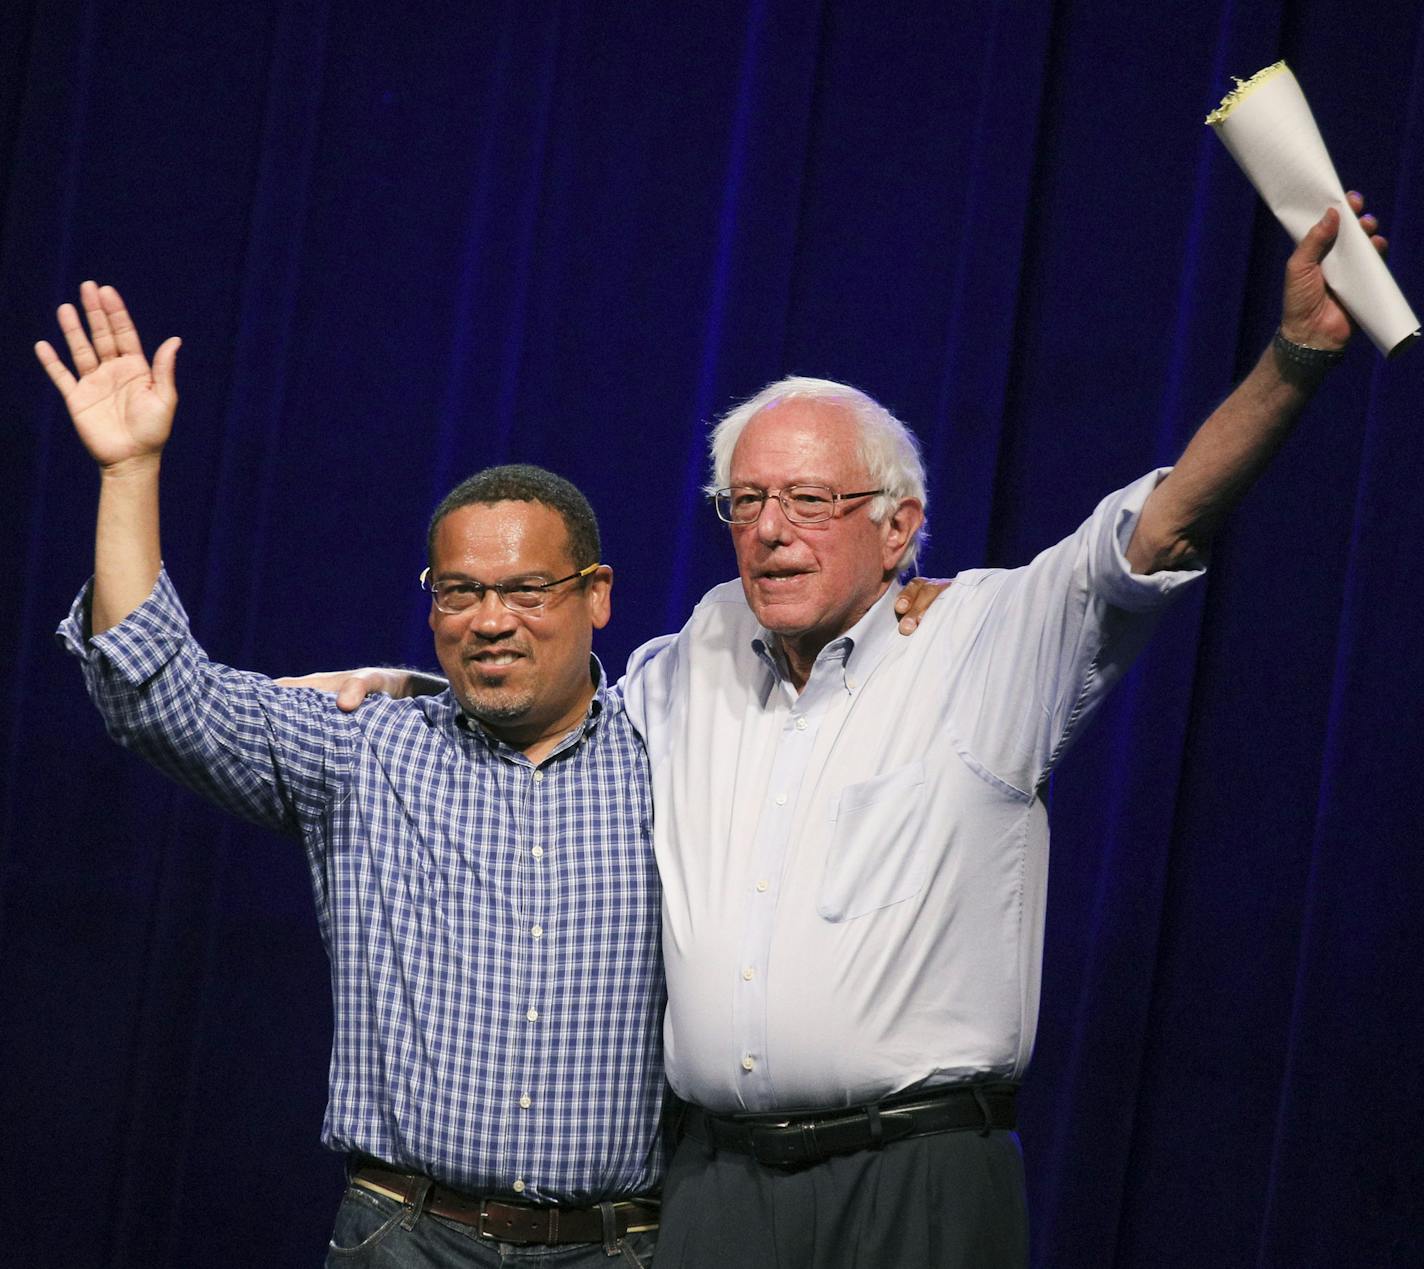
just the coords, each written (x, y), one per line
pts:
(403, 242)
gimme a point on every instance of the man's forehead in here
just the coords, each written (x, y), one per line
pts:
(512, 536)
(799, 442)
(810, 437)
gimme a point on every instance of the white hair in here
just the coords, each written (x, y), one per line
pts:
(888, 448)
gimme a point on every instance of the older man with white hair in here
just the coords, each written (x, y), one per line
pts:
(851, 830)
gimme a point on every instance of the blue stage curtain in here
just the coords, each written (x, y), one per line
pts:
(402, 242)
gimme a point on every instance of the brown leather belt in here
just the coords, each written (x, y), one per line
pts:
(512, 1222)
(796, 1139)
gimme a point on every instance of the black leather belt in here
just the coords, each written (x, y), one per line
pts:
(508, 1221)
(797, 1139)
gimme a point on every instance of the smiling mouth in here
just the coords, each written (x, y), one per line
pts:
(494, 660)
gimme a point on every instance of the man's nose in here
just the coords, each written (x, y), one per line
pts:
(772, 526)
(491, 617)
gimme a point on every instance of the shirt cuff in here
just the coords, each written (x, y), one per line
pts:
(140, 645)
(1119, 585)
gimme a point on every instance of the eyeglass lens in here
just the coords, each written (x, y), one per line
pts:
(805, 504)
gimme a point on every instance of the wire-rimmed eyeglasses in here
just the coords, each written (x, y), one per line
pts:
(523, 594)
(801, 504)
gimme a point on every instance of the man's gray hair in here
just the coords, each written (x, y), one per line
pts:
(888, 448)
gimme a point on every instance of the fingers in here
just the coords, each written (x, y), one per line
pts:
(1369, 222)
(353, 692)
(904, 602)
(1371, 227)
(119, 323)
(56, 369)
(1316, 244)
(80, 349)
(100, 328)
(164, 362)
(915, 600)
(111, 330)
(351, 687)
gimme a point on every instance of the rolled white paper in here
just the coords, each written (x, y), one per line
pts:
(1267, 126)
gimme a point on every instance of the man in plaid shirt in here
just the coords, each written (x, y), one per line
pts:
(481, 859)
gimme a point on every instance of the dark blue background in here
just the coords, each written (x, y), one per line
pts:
(405, 241)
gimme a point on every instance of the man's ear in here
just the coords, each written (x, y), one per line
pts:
(900, 527)
(599, 586)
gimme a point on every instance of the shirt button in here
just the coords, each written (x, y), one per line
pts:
(518, 1187)
(532, 1015)
(748, 974)
(537, 852)
(537, 931)
(800, 724)
(538, 777)
(526, 1102)
(761, 886)
(781, 799)
(851, 683)
(747, 1063)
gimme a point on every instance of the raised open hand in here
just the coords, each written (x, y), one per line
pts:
(1311, 314)
(122, 408)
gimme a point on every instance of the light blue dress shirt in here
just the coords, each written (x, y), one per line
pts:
(854, 877)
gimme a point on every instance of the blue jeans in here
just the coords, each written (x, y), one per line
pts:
(370, 1234)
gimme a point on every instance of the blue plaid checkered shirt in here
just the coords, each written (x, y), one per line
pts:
(492, 925)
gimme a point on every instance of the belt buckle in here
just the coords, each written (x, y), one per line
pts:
(480, 1224)
(516, 1233)
(783, 1146)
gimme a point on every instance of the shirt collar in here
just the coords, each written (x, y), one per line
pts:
(859, 650)
(596, 709)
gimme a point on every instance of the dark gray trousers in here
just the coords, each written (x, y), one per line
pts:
(948, 1200)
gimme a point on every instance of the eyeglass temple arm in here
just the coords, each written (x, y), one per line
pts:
(583, 572)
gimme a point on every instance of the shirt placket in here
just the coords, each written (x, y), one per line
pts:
(533, 1002)
(796, 741)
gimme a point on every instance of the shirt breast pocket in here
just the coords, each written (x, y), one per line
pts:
(877, 854)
